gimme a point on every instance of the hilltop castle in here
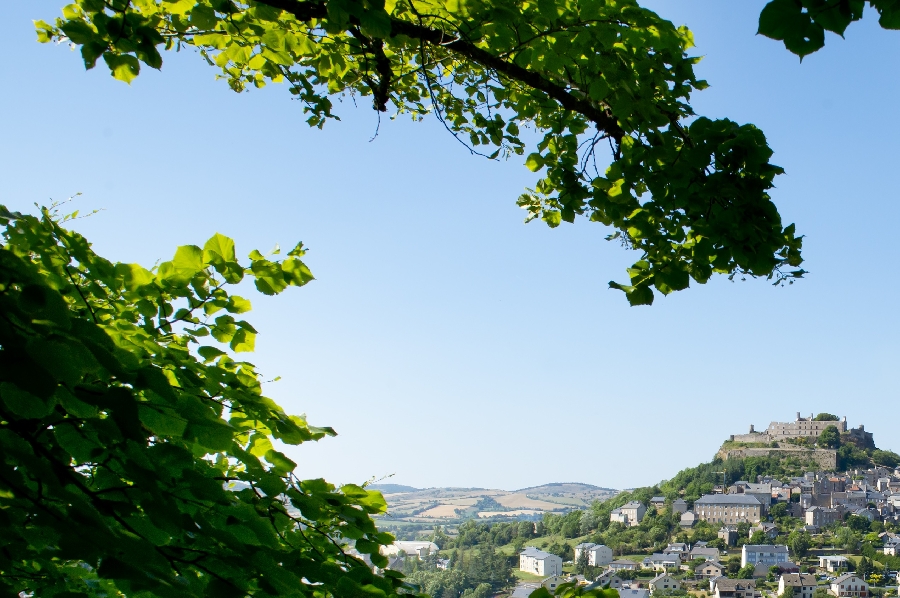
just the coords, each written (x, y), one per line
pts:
(805, 427)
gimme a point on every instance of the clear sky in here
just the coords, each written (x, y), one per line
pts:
(446, 341)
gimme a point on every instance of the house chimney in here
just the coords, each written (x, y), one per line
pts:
(798, 416)
(751, 429)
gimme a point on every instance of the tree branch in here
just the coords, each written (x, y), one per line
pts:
(602, 118)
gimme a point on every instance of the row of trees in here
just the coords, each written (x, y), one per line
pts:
(477, 573)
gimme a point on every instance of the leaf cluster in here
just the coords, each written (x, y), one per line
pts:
(801, 24)
(690, 194)
(136, 456)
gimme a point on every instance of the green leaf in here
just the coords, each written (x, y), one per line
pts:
(534, 162)
(636, 295)
(161, 421)
(375, 23)
(123, 67)
(244, 341)
(24, 404)
(552, 217)
(295, 272)
(237, 305)
(222, 246)
(282, 464)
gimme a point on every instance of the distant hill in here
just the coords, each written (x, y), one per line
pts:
(391, 488)
(565, 487)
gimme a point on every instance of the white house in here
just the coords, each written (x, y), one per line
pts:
(662, 583)
(623, 565)
(804, 584)
(832, 563)
(661, 562)
(633, 593)
(755, 554)
(703, 552)
(539, 562)
(849, 584)
(597, 554)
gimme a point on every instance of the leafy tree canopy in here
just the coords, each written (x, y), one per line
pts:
(691, 194)
(826, 417)
(885, 458)
(137, 454)
(829, 438)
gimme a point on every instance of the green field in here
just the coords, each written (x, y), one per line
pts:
(525, 576)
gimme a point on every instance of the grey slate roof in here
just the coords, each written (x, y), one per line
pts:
(844, 578)
(727, 499)
(779, 548)
(731, 585)
(532, 551)
(799, 579)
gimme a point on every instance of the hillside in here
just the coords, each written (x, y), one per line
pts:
(453, 505)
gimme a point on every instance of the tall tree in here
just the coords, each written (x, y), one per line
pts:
(829, 438)
(689, 193)
(137, 453)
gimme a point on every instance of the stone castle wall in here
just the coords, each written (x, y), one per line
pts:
(825, 458)
(754, 437)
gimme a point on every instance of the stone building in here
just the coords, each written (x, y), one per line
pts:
(629, 514)
(728, 508)
(803, 427)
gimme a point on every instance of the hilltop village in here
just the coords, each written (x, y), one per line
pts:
(763, 519)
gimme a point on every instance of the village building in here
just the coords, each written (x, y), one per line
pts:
(598, 555)
(607, 578)
(849, 585)
(728, 508)
(729, 535)
(688, 519)
(763, 554)
(709, 570)
(623, 565)
(832, 563)
(662, 562)
(804, 584)
(538, 562)
(629, 514)
(724, 587)
(663, 583)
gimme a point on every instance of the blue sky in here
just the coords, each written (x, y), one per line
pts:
(446, 341)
